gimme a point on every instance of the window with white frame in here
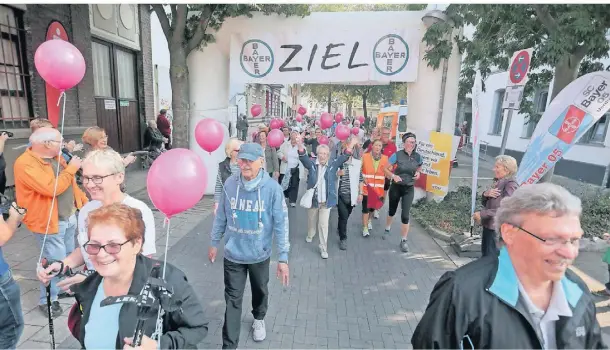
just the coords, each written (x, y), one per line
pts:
(540, 101)
(597, 134)
(497, 116)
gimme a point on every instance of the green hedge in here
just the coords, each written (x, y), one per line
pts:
(452, 215)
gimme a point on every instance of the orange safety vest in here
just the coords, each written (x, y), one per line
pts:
(375, 179)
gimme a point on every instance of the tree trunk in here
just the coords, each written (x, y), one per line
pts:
(566, 71)
(330, 97)
(349, 108)
(179, 77)
(364, 105)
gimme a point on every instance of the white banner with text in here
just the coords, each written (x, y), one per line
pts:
(326, 55)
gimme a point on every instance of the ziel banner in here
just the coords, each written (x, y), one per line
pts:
(575, 109)
(382, 54)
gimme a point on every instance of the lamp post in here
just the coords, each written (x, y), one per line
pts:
(433, 16)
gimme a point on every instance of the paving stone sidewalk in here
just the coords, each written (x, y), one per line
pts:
(22, 253)
(371, 295)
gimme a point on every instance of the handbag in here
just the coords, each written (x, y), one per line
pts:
(307, 199)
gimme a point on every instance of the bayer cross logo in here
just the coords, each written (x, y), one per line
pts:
(256, 58)
(390, 54)
(570, 125)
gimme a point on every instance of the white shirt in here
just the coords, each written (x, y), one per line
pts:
(546, 320)
(321, 183)
(292, 155)
(149, 226)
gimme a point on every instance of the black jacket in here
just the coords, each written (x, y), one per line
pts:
(182, 329)
(478, 307)
(224, 169)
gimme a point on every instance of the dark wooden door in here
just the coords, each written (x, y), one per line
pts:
(116, 100)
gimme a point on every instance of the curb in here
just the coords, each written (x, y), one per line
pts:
(433, 231)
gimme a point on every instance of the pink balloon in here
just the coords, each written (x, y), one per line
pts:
(339, 117)
(326, 120)
(282, 123)
(60, 64)
(299, 118)
(302, 110)
(176, 181)
(355, 130)
(317, 123)
(342, 132)
(209, 134)
(275, 138)
(361, 119)
(256, 110)
(275, 124)
(323, 140)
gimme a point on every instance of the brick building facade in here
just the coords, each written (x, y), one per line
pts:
(117, 91)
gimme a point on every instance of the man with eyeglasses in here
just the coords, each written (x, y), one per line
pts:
(525, 298)
(42, 193)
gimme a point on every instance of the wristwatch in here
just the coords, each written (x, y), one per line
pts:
(283, 262)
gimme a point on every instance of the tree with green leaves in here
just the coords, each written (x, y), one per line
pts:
(189, 27)
(564, 37)
(366, 7)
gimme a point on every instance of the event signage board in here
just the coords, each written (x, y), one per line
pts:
(571, 114)
(383, 54)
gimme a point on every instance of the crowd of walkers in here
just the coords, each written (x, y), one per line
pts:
(99, 242)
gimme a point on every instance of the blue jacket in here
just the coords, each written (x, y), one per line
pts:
(249, 220)
(330, 177)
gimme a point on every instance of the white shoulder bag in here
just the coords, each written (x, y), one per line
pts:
(307, 199)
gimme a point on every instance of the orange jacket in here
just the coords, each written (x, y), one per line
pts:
(375, 179)
(34, 186)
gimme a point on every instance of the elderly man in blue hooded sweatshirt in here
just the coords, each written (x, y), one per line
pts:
(251, 211)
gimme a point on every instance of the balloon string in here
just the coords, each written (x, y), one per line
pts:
(61, 131)
(159, 325)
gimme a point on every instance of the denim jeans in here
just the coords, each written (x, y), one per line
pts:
(11, 316)
(57, 247)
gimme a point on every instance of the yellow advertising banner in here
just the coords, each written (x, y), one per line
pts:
(436, 154)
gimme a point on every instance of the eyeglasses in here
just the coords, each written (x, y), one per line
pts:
(110, 248)
(552, 242)
(96, 179)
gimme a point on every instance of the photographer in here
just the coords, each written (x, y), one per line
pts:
(11, 316)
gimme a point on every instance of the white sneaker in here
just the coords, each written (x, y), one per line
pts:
(376, 214)
(293, 205)
(370, 225)
(259, 333)
(365, 233)
(308, 240)
(324, 254)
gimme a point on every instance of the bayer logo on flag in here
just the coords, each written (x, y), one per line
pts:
(570, 124)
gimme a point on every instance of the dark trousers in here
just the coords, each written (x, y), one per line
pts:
(488, 242)
(344, 207)
(404, 195)
(235, 283)
(608, 284)
(292, 192)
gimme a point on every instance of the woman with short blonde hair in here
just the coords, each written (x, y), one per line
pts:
(226, 168)
(505, 169)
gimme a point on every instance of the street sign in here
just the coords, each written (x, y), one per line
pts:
(513, 97)
(519, 67)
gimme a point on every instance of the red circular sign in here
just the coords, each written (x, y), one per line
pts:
(519, 67)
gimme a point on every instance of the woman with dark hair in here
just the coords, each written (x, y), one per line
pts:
(272, 162)
(403, 169)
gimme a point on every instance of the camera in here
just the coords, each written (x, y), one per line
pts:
(10, 134)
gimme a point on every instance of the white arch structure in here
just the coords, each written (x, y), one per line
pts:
(209, 71)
